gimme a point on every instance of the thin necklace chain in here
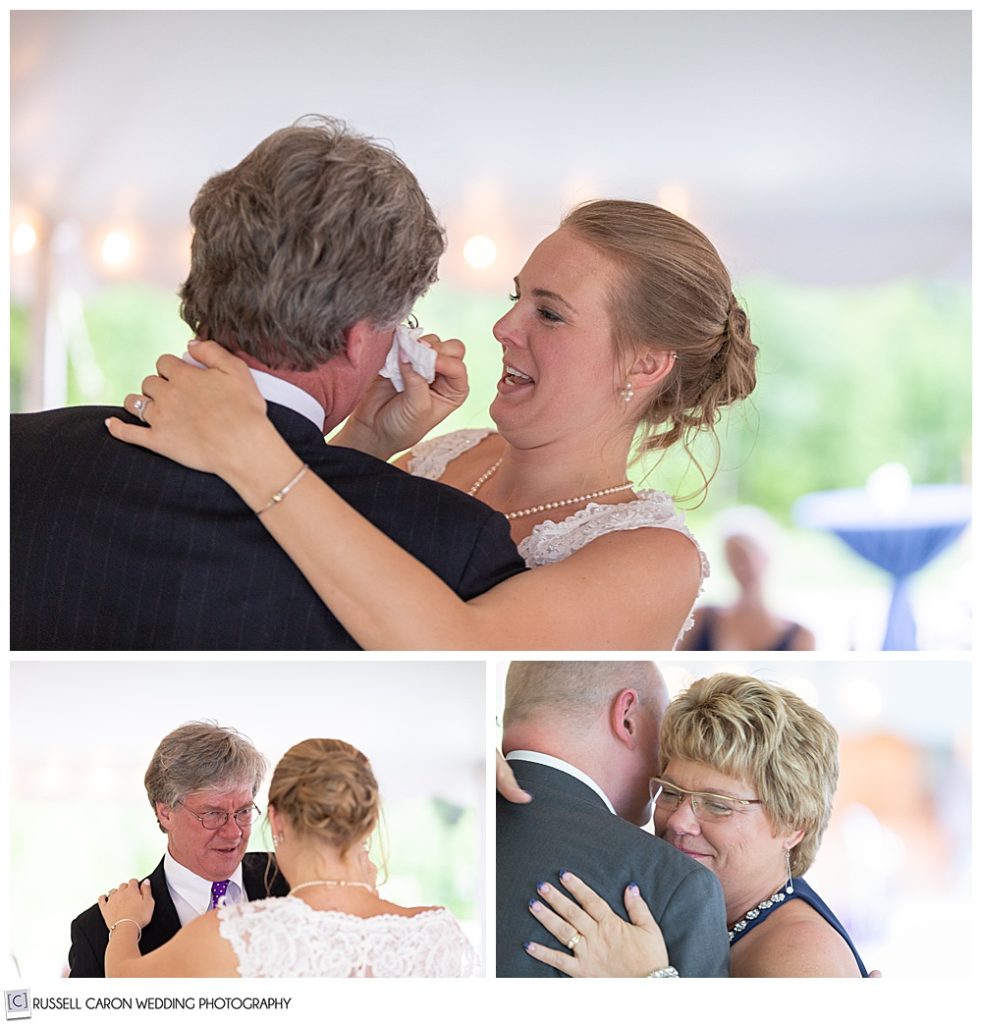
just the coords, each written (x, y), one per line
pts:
(548, 505)
(331, 881)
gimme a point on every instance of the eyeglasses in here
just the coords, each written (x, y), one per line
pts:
(705, 806)
(214, 820)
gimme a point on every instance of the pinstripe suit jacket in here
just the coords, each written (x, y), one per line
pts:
(116, 548)
(568, 827)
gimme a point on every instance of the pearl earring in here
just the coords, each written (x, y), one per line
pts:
(627, 392)
(789, 885)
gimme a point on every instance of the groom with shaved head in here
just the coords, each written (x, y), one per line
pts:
(582, 739)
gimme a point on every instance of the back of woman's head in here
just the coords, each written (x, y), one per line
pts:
(769, 738)
(328, 792)
(674, 294)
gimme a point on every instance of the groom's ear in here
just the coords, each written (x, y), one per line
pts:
(624, 717)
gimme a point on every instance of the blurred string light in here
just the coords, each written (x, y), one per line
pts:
(480, 251)
(24, 238)
(116, 249)
(861, 697)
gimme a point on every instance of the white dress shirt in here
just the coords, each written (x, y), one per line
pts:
(282, 392)
(564, 766)
(192, 894)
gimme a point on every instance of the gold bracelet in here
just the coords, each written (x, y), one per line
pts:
(139, 930)
(283, 491)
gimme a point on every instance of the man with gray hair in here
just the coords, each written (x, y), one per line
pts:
(305, 257)
(201, 783)
(582, 740)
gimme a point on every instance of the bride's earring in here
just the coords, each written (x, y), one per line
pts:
(627, 392)
(789, 885)
(277, 838)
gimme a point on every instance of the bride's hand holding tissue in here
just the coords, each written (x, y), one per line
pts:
(423, 381)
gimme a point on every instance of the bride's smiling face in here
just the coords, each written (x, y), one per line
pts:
(560, 375)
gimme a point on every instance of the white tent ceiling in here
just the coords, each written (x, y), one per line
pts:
(818, 146)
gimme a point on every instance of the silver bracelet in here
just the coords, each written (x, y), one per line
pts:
(665, 972)
(139, 930)
(283, 491)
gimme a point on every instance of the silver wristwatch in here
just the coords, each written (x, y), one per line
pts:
(665, 972)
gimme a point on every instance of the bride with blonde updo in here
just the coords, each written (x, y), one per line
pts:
(323, 807)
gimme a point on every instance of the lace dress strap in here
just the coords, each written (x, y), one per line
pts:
(551, 542)
(429, 459)
(286, 938)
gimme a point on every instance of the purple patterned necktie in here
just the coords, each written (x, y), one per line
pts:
(217, 892)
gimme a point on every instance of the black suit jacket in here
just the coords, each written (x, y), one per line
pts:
(116, 548)
(568, 827)
(90, 936)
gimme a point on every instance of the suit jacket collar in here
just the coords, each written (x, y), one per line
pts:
(544, 781)
(560, 765)
(254, 877)
(165, 923)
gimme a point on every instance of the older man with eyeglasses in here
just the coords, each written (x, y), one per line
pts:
(202, 783)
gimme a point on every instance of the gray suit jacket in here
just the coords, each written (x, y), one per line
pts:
(568, 827)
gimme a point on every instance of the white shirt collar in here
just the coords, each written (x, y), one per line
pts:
(564, 766)
(282, 392)
(194, 890)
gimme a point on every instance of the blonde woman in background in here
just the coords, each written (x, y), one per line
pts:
(323, 806)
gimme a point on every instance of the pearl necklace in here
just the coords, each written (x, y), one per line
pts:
(330, 881)
(546, 506)
(779, 897)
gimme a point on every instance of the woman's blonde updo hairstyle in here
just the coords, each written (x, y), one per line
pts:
(674, 294)
(769, 738)
(327, 790)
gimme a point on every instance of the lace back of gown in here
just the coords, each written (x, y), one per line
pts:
(285, 938)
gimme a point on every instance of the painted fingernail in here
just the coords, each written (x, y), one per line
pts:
(563, 872)
(528, 946)
(544, 887)
(535, 905)
(634, 887)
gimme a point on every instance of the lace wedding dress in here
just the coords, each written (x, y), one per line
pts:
(286, 938)
(551, 541)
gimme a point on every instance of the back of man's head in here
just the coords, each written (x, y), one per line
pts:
(574, 694)
(602, 717)
(316, 229)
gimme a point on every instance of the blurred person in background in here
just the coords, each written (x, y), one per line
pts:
(748, 624)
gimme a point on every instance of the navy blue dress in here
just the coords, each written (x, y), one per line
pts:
(803, 891)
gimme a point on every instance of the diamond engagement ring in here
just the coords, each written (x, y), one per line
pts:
(140, 406)
(573, 941)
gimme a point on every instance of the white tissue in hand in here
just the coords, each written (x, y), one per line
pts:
(406, 344)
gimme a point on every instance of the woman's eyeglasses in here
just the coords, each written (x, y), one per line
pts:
(705, 806)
